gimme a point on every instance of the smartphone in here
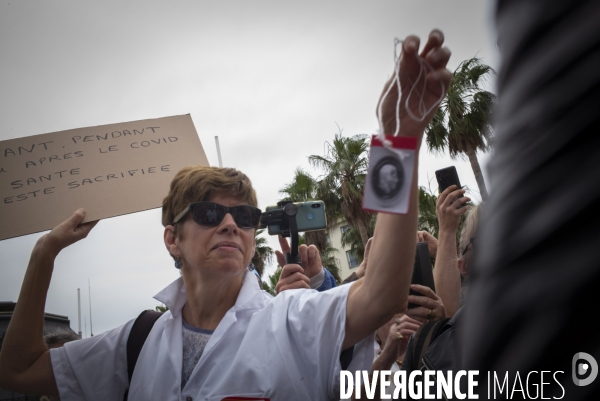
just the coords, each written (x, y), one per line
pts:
(310, 217)
(446, 177)
(422, 271)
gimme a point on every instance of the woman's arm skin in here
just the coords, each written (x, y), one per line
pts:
(373, 300)
(445, 274)
(25, 360)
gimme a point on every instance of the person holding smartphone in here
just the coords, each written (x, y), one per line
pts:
(450, 207)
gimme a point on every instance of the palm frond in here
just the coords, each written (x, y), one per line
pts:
(344, 168)
(464, 119)
(263, 254)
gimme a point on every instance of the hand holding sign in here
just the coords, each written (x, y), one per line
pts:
(66, 233)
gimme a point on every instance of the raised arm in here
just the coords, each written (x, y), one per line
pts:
(373, 300)
(445, 274)
(25, 360)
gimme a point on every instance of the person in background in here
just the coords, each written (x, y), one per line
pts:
(532, 298)
(60, 338)
(310, 274)
(390, 339)
(442, 346)
(467, 247)
(432, 242)
(450, 207)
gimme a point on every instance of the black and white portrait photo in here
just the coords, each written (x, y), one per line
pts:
(388, 179)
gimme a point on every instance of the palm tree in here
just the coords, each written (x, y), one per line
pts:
(463, 121)
(263, 255)
(345, 166)
(270, 284)
(302, 188)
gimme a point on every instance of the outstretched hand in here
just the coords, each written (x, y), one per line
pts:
(432, 242)
(67, 233)
(428, 86)
(431, 306)
(400, 332)
(451, 205)
(291, 278)
(310, 259)
(394, 345)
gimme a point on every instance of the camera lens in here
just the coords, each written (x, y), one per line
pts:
(315, 205)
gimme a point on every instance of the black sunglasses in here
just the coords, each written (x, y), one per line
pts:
(212, 214)
(471, 241)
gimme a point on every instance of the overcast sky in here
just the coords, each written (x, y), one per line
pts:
(273, 79)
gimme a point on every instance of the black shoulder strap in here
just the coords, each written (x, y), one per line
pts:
(137, 337)
(425, 336)
(346, 357)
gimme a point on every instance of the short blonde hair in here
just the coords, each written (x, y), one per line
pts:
(470, 227)
(198, 183)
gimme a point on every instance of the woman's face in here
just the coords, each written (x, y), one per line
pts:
(225, 248)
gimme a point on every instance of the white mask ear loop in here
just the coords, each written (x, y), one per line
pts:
(425, 66)
(396, 81)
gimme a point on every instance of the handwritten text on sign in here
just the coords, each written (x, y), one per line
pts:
(109, 170)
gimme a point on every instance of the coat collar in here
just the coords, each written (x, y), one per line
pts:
(249, 297)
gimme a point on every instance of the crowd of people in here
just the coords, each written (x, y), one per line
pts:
(393, 342)
(224, 337)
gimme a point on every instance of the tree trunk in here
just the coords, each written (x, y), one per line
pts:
(362, 228)
(478, 174)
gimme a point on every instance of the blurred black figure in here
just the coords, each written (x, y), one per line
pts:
(533, 301)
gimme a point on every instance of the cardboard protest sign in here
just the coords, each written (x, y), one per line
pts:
(109, 170)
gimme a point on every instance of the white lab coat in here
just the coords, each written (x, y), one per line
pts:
(281, 348)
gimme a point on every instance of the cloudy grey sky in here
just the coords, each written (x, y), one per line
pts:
(273, 79)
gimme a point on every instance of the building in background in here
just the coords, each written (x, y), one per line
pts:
(346, 261)
(52, 322)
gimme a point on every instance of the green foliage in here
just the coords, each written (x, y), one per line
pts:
(342, 184)
(428, 220)
(302, 188)
(264, 253)
(340, 188)
(464, 117)
(161, 308)
(270, 283)
(463, 122)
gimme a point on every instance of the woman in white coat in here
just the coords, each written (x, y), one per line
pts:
(223, 337)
